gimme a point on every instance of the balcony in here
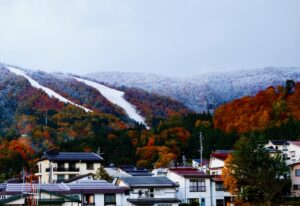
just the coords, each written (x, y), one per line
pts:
(63, 169)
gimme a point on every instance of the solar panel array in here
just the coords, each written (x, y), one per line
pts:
(149, 181)
(87, 185)
(73, 156)
(20, 187)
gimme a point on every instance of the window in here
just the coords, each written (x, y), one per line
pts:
(220, 186)
(72, 166)
(197, 185)
(151, 192)
(192, 200)
(89, 199)
(89, 166)
(297, 172)
(292, 153)
(110, 199)
(71, 176)
(219, 202)
(296, 187)
(60, 178)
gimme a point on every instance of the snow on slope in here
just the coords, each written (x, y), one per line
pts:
(204, 91)
(116, 97)
(50, 92)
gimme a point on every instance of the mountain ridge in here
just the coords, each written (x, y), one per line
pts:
(206, 91)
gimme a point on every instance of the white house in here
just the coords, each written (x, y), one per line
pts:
(217, 161)
(295, 178)
(196, 186)
(59, 166)
(290, 150)
(148, 190)
(197, 165)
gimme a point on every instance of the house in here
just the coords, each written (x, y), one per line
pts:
(217, 161)
(196, 164)
(194, 185)
(276, 147)
(115, 172)
(134, 171)
(197, 186)
(290, 150)
(293, 151)
(295, 178)
(147, 190)
(160, 172)
(220, 195)
(37, 194)
(58, 166)
(98, 193)
(80, 193)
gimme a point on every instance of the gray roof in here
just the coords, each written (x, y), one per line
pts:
(151, 201)
(94, 186)
(16, 188)
(148, 181)
(84, 186)
(72, 156)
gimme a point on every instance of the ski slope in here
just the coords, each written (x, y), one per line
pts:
(116, 97)
(50, 92)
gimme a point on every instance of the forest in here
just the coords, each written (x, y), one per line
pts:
(32, 122)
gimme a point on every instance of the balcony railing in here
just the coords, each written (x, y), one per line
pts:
(63, 169)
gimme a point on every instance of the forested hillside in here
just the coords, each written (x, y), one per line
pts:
(31, 122)
(272, 107)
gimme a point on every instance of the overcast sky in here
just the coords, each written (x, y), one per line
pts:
(171, 37)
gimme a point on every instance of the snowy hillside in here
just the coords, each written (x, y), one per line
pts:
(116, 97)
(50, 92)
(206, 91)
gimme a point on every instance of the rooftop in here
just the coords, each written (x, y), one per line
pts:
(83, 186)
(148, 182)
(189, 172)
(72, 156)
(279, 142)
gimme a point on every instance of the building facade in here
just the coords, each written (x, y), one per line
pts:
(59, 166)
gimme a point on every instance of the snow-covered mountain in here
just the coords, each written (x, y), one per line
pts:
(50, 92)
(130, 105)
(203, 91)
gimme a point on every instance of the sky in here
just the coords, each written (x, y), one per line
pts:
(170, 37)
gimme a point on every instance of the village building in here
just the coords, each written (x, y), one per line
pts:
(147, 190)
(59, 166)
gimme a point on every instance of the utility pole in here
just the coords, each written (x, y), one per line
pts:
(201, 150)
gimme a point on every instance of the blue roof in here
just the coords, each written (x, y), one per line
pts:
(72, 156)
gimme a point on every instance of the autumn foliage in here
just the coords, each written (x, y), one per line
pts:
(270, 107)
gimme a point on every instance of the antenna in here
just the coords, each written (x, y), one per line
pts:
(98, 152)
(201, 150)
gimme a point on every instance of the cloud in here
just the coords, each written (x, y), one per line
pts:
(171, 37)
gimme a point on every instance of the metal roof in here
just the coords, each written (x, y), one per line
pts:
(84, 186)
(72, 156)
(151, 201)
(94, 186)
(148, 181)
(189, 172)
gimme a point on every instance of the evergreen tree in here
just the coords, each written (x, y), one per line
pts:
(258, 175)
